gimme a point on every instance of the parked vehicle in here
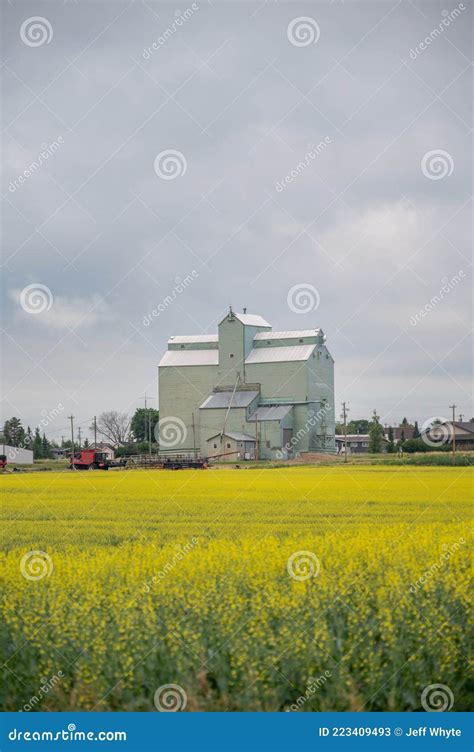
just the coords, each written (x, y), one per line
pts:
(90, 459)
(3, 461)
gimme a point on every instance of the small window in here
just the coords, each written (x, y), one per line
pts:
(231, 355)
(182, 347)
(300, 341)
(215, 446)
(267, 444)
(268, 342)
(228, 446)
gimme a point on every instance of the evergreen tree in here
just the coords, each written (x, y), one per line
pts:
(37, 445)
(391, 441)
(45, 447)
(14, 432)
(29, 438)
(375, 434)
(416, 431)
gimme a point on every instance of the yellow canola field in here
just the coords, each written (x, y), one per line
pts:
(277, 589)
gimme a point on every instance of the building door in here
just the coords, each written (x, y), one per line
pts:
(287, 436)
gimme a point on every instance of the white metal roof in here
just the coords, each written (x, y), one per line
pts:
(270, 412)
(353, 437)
(295, 334)
(236, 435)
(279, 354)
(224, 399)
(183, 339)
(190, 358)
(251, 319)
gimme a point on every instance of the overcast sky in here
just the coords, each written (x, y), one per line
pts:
(376, 219)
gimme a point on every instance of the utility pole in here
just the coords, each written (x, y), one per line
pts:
(148, 422)
(71, 418)
(344, 418)
(453, 408)
(95, 431)
(461, 416)
(194, 438)
(79, 436)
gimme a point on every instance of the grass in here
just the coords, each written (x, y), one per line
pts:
(157, 577)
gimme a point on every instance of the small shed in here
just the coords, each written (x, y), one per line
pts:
(231, 445)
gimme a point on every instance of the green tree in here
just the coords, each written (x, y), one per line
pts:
(416, 431)
(29, 438)
(140, 423)
(358, 426)
(14, 432)
(45, 447)
(391, 441)
(37, 445)
(375, 434)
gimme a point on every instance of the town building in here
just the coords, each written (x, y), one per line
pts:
(356, 443)
(247, 392)
(442, 433)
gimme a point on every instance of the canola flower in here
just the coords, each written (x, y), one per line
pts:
(153, 578)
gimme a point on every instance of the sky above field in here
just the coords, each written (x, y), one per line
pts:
(309, 161)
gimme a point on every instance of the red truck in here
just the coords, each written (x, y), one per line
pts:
(90, 459)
